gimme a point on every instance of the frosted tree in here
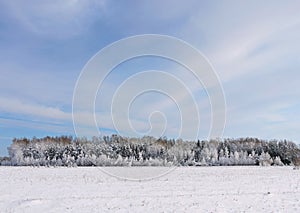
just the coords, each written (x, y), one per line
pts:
(117, 150)
(277, 161)
(265, 159)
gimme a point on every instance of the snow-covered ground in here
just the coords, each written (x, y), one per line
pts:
(186, 189)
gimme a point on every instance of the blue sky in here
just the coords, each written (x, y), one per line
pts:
(253, 46)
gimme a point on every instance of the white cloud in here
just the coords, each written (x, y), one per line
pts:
(234, 31)
(10, 123)
(17, 107)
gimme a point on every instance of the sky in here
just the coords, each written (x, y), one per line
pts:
(253, 47)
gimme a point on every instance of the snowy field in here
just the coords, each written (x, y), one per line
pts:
(186, 189)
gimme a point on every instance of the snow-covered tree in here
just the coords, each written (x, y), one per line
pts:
(277, 161)
(124, 151)
(265, 159)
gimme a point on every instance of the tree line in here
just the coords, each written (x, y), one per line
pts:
(116, 150)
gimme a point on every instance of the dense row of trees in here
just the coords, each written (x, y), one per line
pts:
(148, 151)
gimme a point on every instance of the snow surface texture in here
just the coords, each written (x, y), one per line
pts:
(185, 189)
